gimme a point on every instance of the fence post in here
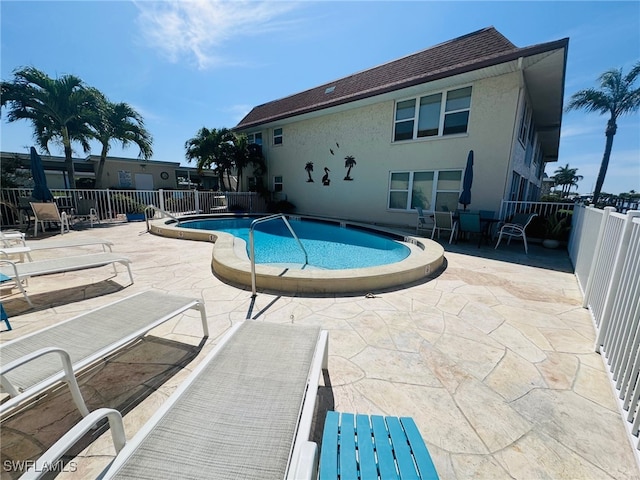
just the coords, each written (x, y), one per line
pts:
(109, 206)
(621, 253)
(197, 201)
(596, 254)
(161, 199)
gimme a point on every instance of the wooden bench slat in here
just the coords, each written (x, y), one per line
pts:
(420, 453)
(386, 462)
(401, 448)
(328, 453)
(368, 468)
(348, 467)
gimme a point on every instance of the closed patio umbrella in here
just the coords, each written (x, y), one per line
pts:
(40, 190)
(465, 196)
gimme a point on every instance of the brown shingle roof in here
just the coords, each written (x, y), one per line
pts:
(469, 52)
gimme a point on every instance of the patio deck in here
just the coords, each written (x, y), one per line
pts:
(493, 357)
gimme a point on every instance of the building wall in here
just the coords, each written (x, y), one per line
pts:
(366, 133)
(113, 168)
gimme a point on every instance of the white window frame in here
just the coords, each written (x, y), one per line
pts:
(409, 190)
(278, 181)
(443, 114)
(278, 138)
(525, 124)
(255, 137)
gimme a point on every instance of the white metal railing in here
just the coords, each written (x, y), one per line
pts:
(113, 204)
(605, 250)
(252, 247)
(543, 209)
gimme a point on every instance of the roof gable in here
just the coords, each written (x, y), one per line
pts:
(469, 52)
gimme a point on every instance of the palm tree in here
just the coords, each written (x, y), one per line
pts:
(59, 110)
(246, 154)
(309, 168)
(617, 97)
(212, 147)
(567, 177)
(120, 122)
(349, 163)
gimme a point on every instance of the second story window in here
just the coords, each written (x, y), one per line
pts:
(444, 113)
(255, 138)
(277, 136)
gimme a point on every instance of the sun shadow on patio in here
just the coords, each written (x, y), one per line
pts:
(123, 381)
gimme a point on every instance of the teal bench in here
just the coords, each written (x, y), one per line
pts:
(373, 447)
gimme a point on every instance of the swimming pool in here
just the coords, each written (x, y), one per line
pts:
(328, 246)
(230, 260)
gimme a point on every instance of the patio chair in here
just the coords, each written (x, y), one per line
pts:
(85, 209)
(48, 212)
(469, 222)
(28, 368)
(444, 221)
(424, 221)
(19, 273)
(363, 446)
(245, 412)
(516, 228)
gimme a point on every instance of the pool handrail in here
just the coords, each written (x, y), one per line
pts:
(151, 209)
(252, 249)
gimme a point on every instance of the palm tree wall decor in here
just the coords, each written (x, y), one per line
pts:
(616, 97)
(309, 168)
(349, 163)
(59, 109)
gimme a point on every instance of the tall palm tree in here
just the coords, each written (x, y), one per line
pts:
(616, 97)
(120, 122)
(566, 177)
(211, 149)
(59, 110)
(246, 154)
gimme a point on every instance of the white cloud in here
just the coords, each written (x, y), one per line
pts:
(198, 29)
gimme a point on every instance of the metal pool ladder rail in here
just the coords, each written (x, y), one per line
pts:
(252, 249)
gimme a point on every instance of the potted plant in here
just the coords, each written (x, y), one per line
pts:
(557, 228)
(135, 212)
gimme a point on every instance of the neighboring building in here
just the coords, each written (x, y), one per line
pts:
(120, 173)
(374, 145)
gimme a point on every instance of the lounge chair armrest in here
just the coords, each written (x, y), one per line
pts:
(306, 465)
(58, 449)
(12, 264)
(69, 375)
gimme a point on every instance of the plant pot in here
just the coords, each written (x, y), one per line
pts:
(550, 243)
(135, 217)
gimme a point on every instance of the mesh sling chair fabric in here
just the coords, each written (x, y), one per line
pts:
(48, 212)
(88, 338)
(19, 272)
(237, 416)
(516, 227)
(443, 221)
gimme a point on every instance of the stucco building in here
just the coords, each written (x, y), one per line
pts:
(374, 145)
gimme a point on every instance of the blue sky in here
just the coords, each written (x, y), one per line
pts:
(185, 65)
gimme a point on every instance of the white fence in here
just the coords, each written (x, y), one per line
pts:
(114, 204)
(605, 250)
(543, 209)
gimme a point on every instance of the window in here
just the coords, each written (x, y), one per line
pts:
(525, 124)
(431, 190)
(445, 113)
(277, 183)
(255, 138)
(277, 136)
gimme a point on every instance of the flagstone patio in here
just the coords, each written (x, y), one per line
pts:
(493, 357)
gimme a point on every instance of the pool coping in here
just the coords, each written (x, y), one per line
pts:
(231, 264)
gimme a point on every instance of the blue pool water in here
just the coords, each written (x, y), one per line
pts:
(328, 246)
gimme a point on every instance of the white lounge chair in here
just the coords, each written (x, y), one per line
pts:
(25, 249)
(21, 272)
(48, 212)
(28, 369)
(244, 412)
